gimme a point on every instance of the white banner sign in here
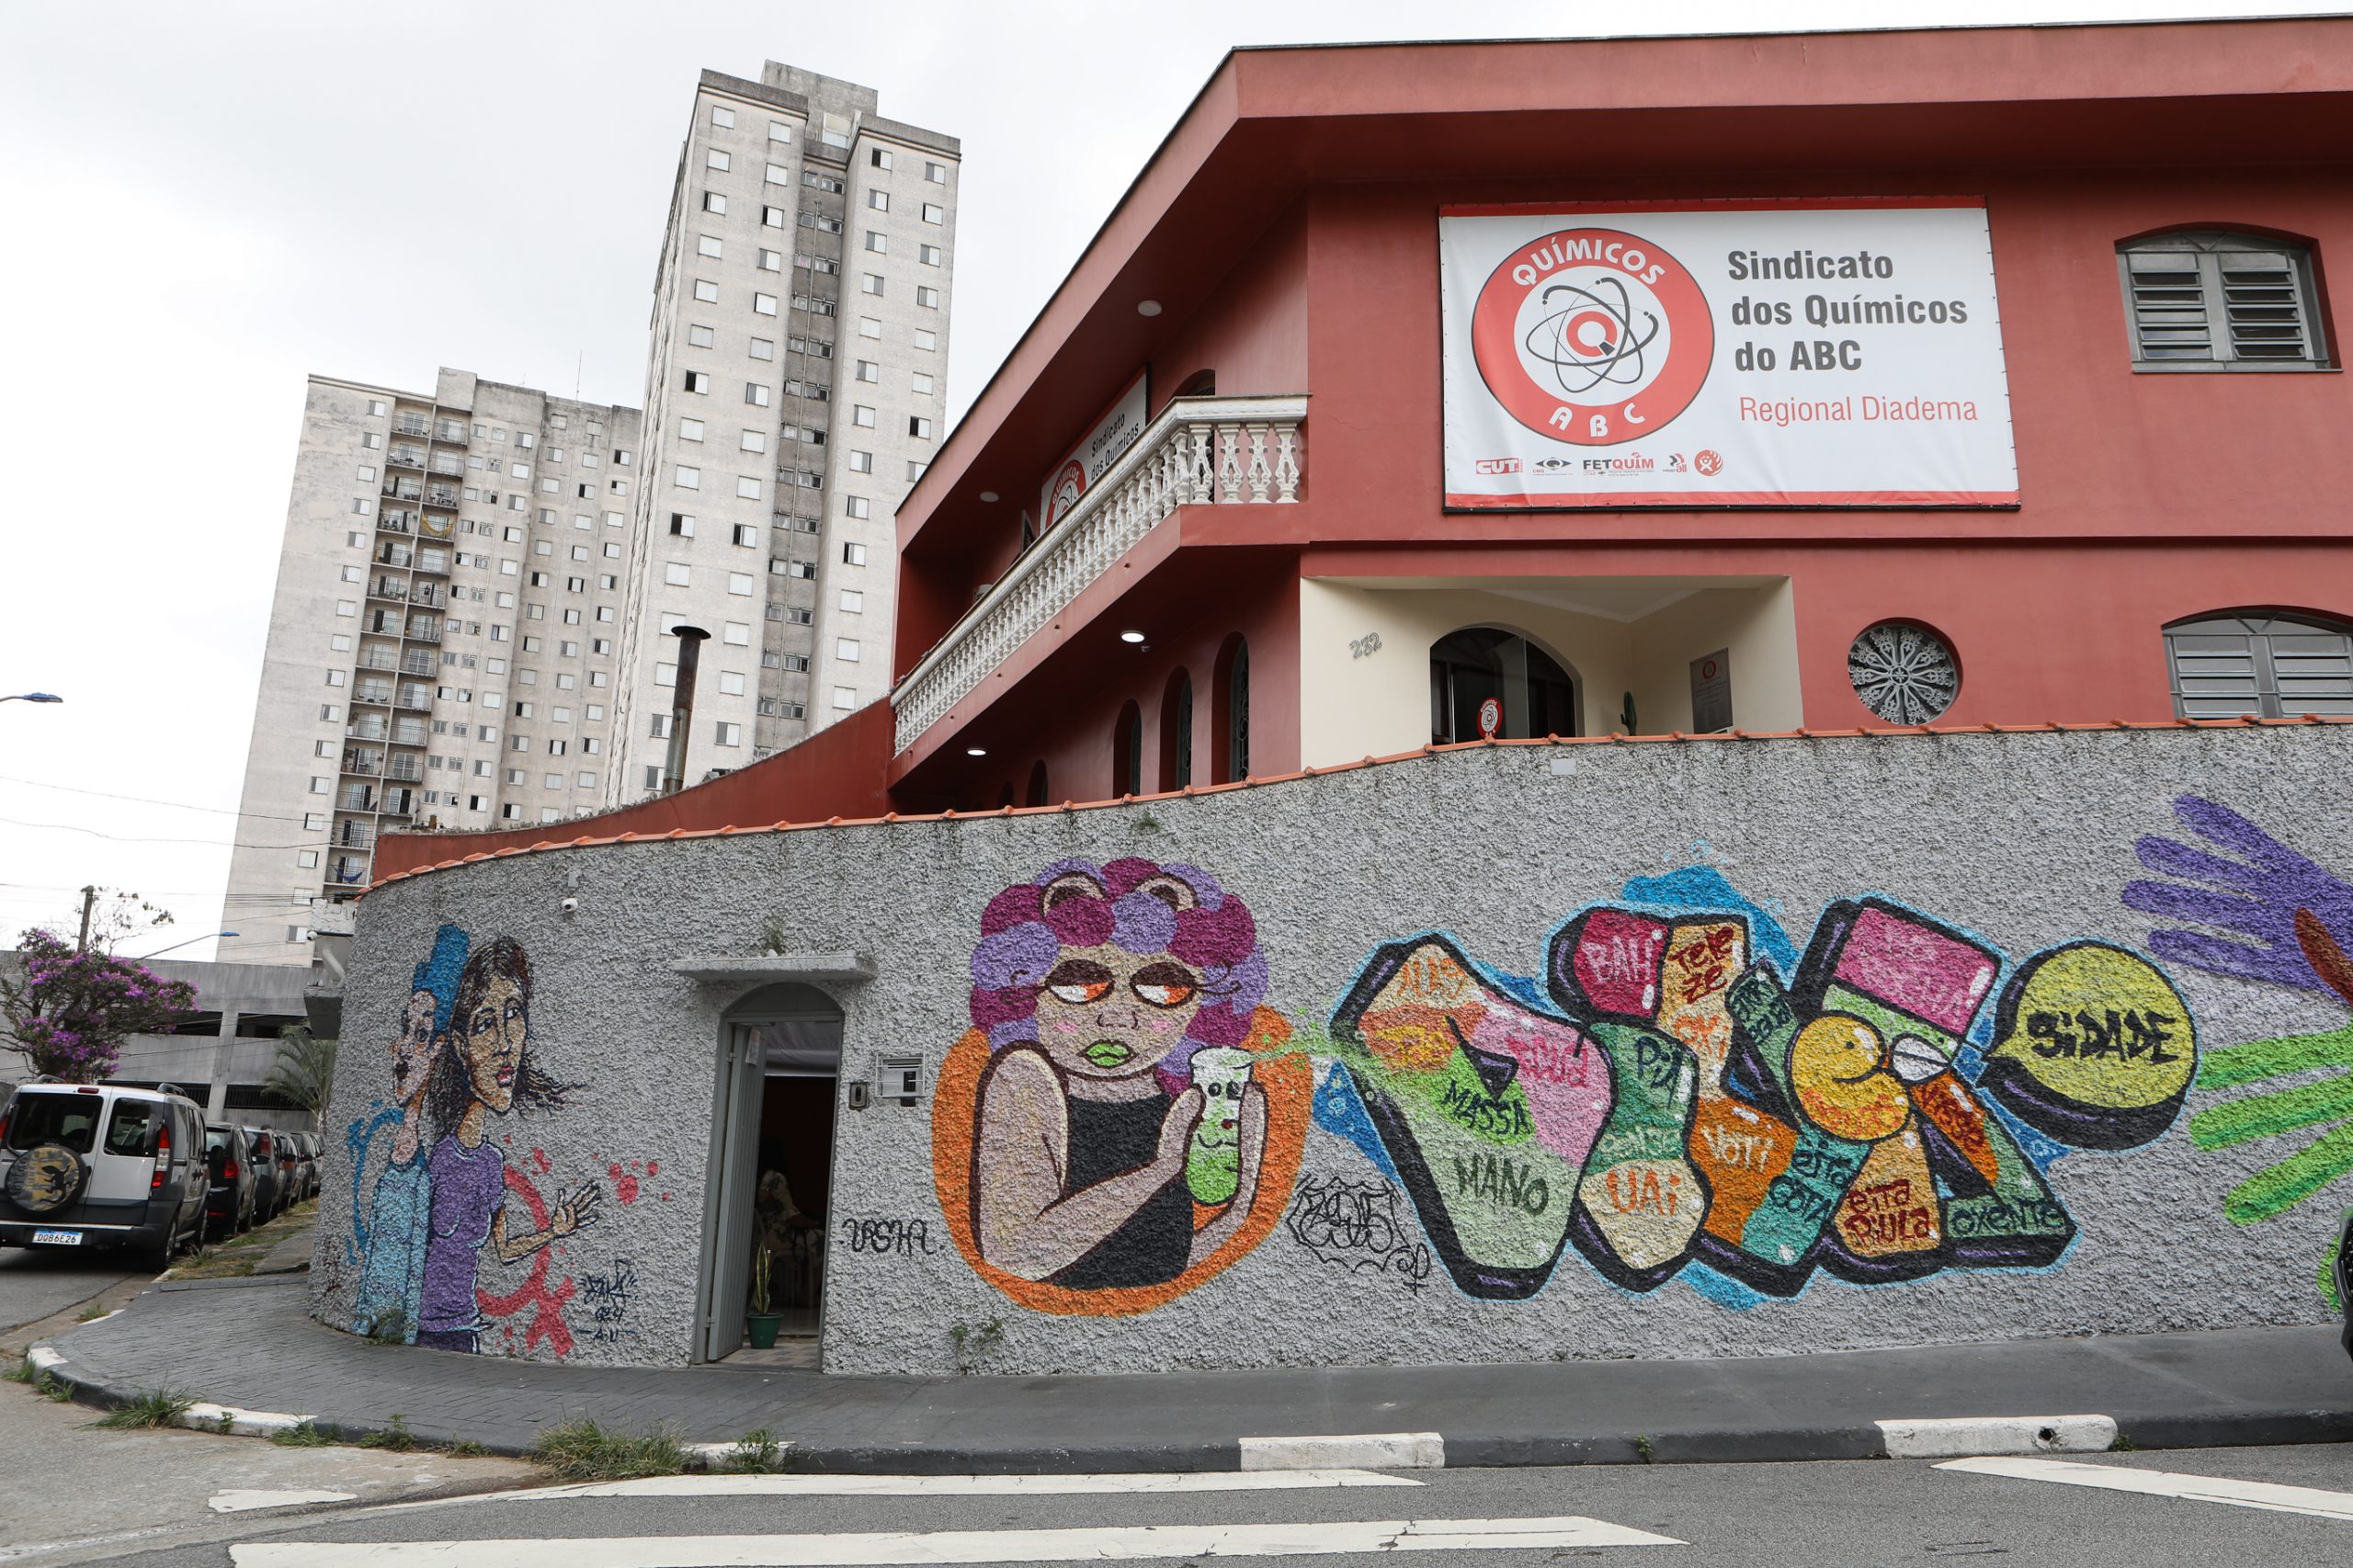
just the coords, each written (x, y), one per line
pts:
(1118, 429)
(1826, 354)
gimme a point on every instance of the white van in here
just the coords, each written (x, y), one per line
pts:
(98, 1165)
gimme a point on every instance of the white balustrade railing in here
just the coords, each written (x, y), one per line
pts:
(1205, 452)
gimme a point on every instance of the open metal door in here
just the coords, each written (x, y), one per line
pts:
(735, 1146)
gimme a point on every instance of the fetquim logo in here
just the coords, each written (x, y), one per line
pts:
(1592, 336)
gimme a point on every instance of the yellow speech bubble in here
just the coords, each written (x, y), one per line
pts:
(2100, 1026)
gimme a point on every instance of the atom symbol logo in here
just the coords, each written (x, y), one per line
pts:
(1590, 340)
(1591, 337)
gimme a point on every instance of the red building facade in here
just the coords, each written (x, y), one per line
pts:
(1268, 575)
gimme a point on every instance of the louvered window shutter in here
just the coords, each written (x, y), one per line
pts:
(2221, 300)
(2260, 665)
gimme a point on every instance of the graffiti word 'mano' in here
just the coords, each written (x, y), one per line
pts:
(1505, 1183)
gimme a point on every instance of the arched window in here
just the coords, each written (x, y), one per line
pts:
(2260, 662)
(1177, 732)
(2221, 302)
(1531, 694)
(1230, 729)
(1037, 792)
(1127, 751)
(1202, 383)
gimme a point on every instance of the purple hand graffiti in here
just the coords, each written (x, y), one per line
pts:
(2254, 898)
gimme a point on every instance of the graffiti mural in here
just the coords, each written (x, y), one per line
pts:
(1124, 1121)
(1668, 1098)
(1680, 1092)
(2272, 916)
(440, 1200)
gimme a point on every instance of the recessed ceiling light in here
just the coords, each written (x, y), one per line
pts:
(1147, 307)
(988, 494)
(1131, 636)
(976, 751)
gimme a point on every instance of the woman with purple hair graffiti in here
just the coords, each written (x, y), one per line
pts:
(1110, 996)
(486, 1071)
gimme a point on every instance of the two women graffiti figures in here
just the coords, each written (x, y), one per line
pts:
(463, 1055)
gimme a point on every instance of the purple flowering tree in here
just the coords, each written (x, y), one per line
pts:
(68, 1012)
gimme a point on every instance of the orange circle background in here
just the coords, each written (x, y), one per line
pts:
(1285, 1080)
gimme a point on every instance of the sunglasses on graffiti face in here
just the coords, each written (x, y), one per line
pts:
(1082, 982)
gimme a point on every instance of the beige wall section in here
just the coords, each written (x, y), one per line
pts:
(1615, 634)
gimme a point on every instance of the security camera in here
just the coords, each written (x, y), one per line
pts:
(570, 906)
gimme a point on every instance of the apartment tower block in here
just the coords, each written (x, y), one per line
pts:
(795, 389)
(479, 588)
(443, 645)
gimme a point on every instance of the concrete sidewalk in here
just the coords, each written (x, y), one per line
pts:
(247, 1343)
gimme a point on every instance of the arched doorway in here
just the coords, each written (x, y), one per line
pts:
(1531, 692)
(1230, 733)
(772, 1150)
(1176, 732)
(1127, 751)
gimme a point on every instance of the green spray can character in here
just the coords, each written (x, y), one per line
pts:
(1213, 1163)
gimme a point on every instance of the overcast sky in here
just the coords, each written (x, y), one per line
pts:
(200, 204)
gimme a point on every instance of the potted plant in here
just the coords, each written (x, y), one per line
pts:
(761, 1322)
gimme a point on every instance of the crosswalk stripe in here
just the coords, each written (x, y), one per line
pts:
(2168, 1483)
(956, 1485)
(1302, 1539)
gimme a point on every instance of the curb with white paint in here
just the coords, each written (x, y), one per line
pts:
(1359, 1450)
(1950, 1437)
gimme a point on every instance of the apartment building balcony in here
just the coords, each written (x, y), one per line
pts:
(405, 457)
(392, 552)
(451, 468)
(412, 425)
(353, 835)
(378, 693)
(1210, 451)
(356, 798)
(429, 593)
(404, 489)
(349, 870)
(396, 522)
(451, 430)
(408, 731)
(378, 658)
(419, 701)
(371, 728)
(441, 495)
(416, 664)
(424, 631)
(405, 770)
(367, 763)
(434, 563)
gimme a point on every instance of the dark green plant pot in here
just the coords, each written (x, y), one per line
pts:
(762, 1327)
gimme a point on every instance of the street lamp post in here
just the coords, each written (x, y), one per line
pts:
(207, 937)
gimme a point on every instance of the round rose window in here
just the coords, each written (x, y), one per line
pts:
(1905, 672)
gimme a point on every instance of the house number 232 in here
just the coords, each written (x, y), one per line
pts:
(1368, 643)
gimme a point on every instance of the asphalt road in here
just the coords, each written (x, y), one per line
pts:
(35, 1282)
(1866, 1514)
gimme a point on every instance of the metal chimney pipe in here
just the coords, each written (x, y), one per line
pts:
(682, 706)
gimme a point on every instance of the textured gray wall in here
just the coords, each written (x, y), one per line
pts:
(2026, 840)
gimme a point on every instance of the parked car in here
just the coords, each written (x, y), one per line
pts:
(102, 1168)
(229, 1165)
(306, 1153)
(2341, 1265)
(272, 1173)
(318, 1161)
